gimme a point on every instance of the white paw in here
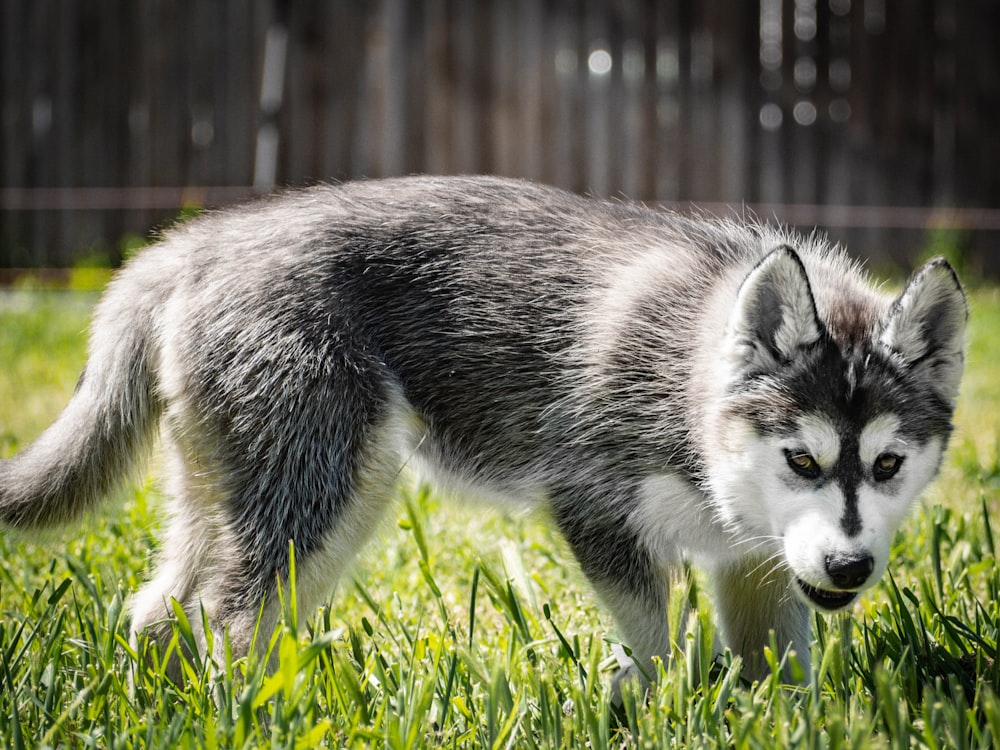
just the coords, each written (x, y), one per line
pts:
(627, 670)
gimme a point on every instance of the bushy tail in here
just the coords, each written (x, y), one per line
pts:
(104, 431)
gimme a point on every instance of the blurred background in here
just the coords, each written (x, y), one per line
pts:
(877, 121)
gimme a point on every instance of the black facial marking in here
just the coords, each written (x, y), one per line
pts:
(850, 522)
(848, 475)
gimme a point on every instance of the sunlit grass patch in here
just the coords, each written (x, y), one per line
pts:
(464, 626)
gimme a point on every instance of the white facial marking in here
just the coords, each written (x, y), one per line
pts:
(819, 438)
(879, 436)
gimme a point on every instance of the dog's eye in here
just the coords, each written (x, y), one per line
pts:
(886, 466)
(803, 464)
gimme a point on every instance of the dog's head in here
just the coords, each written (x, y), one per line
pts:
(835, 416)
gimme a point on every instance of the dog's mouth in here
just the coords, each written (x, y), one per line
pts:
(826, 600)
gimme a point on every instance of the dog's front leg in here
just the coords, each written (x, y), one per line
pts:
(753, 599)
(642, 621)
(628, 581)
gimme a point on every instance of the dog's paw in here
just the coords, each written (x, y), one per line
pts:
(628, 671)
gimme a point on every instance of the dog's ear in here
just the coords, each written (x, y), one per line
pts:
(775, 314)
(924, 329)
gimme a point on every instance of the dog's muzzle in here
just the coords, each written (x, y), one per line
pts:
(829, 601)
(848, 573)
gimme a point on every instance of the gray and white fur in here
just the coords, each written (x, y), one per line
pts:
(670, 389)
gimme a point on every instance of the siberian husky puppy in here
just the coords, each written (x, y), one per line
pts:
(670, 389)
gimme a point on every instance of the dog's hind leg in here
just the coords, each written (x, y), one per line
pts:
(321, 483)
(243, 595)
(189, 549)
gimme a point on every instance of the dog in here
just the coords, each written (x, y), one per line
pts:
(672, 390)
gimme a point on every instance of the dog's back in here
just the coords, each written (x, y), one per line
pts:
(490, 307)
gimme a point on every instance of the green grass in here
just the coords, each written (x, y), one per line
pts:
(471, 628)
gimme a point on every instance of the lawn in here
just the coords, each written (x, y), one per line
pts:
(471, 628)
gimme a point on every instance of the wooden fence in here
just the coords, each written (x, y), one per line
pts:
(876, 119)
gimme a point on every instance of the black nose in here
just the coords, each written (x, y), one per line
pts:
(849, 572)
